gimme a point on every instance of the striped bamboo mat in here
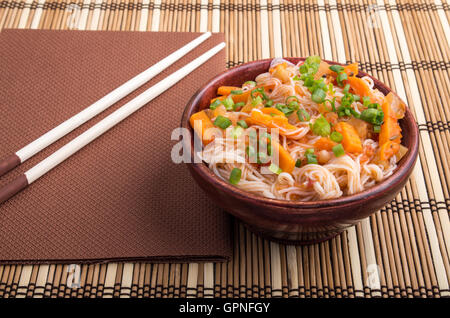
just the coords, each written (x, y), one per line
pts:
(401, 251)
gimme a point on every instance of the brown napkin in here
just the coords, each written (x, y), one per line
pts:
(121, 197)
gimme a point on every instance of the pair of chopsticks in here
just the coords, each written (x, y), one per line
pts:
(14, 160)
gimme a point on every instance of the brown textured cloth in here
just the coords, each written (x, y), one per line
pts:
(120, 197)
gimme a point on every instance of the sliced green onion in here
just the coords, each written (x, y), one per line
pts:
(303, 115)
(215, 104)
(250, 83)
(275, 169)
(298, 163)
(321, 127)
(256, 101)
(237, 131)
(314, 59)
(242, 123)
(261, 91)
(228, 103)
(237, 92)
(318, 96)
(235, 175)
(342, 76)
(336, 68)
(285, 109)
(238, 105)
(376, 129)
(296, 78)
(222, 122)
(338, 150)
(309, 151)
(311, 158)
(366, 101)
(269, 103)
(293, 105)
(336, 136)
(291, 97)
(303, 68)
(356, 98)
(372, 115)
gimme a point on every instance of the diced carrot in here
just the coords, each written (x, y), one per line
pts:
(351, 141)
(351, 69)
(359, 86)
(286, 162)
(226, 90)
(257, 117)
(206, 124)
(388, 149)
(324, 143)
(272, 111)
(390, 131)
(238, 98)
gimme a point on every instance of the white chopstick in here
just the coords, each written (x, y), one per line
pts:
(20, 156)
(102, 126)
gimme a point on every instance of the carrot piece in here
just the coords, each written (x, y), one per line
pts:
(241, 97)
(260, 118)
(390, 129)
(226, 90)
(286, 162)
(206, 124)
(388, 149)
(351, 69)
(351, 141)
(359, 86)
(324, 144)
(271, 110)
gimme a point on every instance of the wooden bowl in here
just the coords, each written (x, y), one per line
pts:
(288, 221)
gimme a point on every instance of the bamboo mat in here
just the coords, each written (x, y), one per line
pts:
(402, 250)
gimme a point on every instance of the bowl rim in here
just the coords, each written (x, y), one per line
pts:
(399, 175)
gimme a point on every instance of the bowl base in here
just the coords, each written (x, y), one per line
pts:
(293, 238)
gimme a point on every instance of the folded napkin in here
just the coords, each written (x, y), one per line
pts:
(120, 198)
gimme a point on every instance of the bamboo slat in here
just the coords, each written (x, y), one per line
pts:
(403, 250)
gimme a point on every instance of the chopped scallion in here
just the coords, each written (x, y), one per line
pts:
(303, 115)
(222, 122)
(336, 136)
(338, 150)
(235, 175)
(321, 127)
(242, 123)
(275, 169)
(215, 104)
(336, 68)
(311, 158)
(228, 103)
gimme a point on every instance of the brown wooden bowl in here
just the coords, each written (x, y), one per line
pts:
(288, 221)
